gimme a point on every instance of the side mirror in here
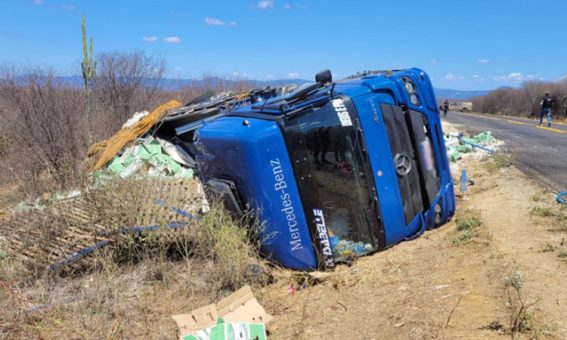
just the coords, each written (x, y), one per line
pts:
(324, 77)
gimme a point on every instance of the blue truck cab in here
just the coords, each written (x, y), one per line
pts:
(335, 170)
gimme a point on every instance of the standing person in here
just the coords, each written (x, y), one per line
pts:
(546, 104)
(445, 107)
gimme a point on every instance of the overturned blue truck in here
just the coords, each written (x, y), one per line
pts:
(336, 169)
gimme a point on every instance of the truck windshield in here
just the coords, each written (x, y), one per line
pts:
(329, 165)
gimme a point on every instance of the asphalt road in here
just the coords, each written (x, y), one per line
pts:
(539, 151)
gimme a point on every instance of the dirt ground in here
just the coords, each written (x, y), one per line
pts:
(436, 287)
(442, 285)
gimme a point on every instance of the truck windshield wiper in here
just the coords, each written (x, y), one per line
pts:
(302, 92)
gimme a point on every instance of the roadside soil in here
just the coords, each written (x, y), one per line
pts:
(435, 287)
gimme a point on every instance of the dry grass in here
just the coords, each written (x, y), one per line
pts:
(496, 162)
(555, 217)
(543, 211)
(548, 248)
(132, 287)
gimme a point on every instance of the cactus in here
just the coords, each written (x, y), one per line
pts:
(88, 65)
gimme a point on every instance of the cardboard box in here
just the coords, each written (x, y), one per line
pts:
(230, 331)
(241, 307)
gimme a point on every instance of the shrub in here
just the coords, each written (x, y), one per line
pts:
(521, 312)
(523, 101)
(468, 223)
(45, 122)
(125, 83)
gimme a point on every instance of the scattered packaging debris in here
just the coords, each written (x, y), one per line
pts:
(135, 119)
(347, 248)
(480, 144)
(291, 290)
(177, 153)
(26, 206)
(240, 315)
(46, 200)
(146, 157)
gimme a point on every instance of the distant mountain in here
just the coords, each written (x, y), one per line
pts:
(175, 84)
(443, 94)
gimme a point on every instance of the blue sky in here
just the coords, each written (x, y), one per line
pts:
(465, 44)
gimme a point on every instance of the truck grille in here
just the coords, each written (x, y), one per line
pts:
(401, 146)
(421, 137)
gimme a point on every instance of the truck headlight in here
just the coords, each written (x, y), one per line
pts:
(414, 100)
(410, 87)
(411, 90)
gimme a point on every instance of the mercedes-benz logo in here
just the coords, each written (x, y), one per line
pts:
(403, 164)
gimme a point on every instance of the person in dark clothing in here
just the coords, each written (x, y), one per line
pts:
(546, 104)
(445, 107)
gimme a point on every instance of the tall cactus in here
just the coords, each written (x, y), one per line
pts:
(88, 65)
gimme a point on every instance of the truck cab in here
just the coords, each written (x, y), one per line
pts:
(334, 170)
